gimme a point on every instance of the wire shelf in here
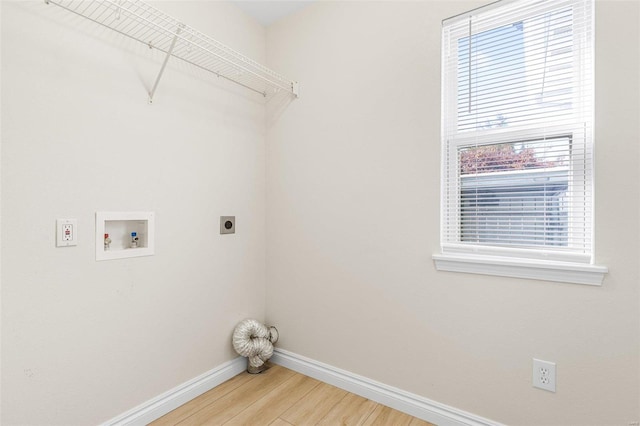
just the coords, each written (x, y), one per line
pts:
(148, 25)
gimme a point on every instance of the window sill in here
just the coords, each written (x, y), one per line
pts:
(566, 272)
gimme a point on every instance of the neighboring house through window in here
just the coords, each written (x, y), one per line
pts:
(517, 141)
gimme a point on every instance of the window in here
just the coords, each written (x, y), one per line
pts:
(517, 136)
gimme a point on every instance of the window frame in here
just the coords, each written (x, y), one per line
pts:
(532, 263)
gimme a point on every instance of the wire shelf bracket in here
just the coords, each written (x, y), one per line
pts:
(148, 25)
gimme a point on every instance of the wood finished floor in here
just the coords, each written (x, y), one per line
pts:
(281, 397)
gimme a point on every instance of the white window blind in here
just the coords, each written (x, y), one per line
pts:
(517, 131)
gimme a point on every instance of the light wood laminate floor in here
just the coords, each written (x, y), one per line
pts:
(281, 397)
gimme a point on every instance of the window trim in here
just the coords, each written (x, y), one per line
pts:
(545, 270)
(538, 264)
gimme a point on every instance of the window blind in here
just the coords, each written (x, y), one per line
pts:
(517, 130)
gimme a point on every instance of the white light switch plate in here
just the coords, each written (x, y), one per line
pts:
(66, 232)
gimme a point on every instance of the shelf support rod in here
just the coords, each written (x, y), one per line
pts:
(164, 64)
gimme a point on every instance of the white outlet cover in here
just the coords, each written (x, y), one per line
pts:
(544, 375)
(66, 232)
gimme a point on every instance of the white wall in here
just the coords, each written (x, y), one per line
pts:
(84, 341)
(352, 183)
(353, 219)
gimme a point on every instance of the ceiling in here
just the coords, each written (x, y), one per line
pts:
(267, 12)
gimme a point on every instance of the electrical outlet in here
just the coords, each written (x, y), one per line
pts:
(227, 224)
(544, 375)
(67, 232)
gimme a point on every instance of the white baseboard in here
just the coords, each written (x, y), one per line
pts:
(409, 403)
(170, 400)
(415, 405)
